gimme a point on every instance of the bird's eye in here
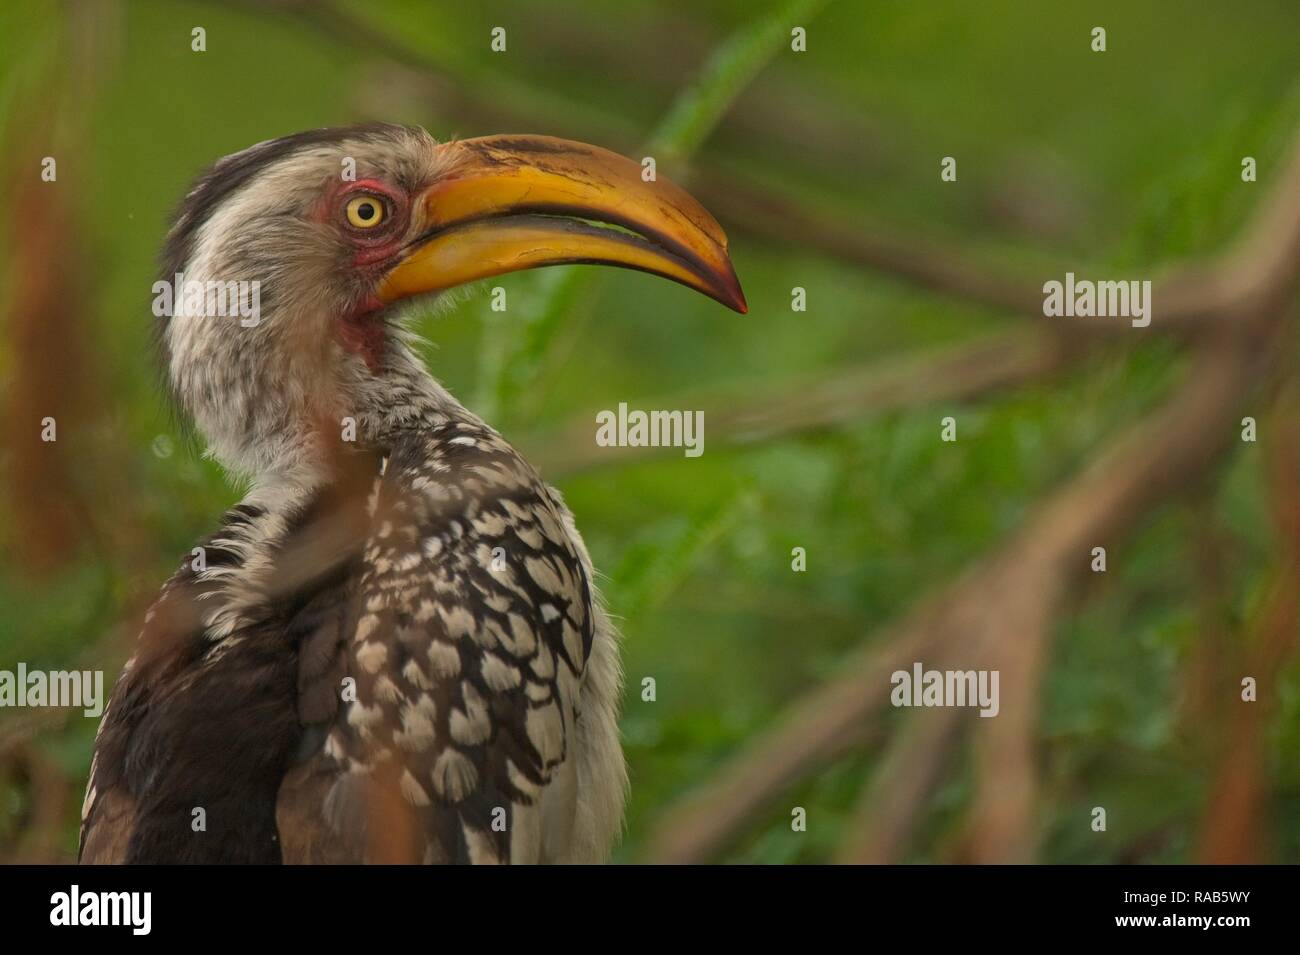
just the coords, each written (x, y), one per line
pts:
(365, 212)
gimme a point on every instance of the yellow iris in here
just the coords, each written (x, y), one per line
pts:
(365, 212)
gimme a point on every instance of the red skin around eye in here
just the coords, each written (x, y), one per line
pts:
(368, 251)
(362, 332)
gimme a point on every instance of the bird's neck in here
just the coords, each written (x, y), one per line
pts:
(383, 408)
(402, 398)
(285, 425)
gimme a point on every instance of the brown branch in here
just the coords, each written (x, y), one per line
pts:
(896, 796)
(1002, 826)
(1235, 823)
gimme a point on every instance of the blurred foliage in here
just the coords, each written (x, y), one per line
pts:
(1124, 160)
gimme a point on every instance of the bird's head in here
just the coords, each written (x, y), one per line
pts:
(288, 261)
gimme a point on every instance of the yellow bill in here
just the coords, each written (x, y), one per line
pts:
(520, 202)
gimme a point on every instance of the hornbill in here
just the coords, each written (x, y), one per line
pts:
(392, 649)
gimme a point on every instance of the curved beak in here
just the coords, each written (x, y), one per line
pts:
(509, 203)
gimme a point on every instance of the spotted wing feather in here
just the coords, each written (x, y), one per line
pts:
(457, 668)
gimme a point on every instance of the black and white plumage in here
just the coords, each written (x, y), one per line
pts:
(392, 649)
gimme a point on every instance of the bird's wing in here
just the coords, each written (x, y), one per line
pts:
(202, 723)
(440, 706)
(130, 754)
(187, 745)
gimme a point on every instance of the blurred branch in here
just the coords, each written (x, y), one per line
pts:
(1002, 825)
(53, 386)
(959, 373)
(1187, 298)
(1017, 587)
(1235, 823)
(896, 797)
(729, 69)
(926, 261)
(1014, 593)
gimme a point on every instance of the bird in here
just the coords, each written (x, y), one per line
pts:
(392, 648)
